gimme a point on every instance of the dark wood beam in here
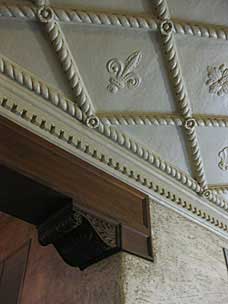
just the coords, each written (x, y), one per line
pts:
(70, 179)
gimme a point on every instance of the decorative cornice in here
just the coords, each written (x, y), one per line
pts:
(39, 87)
(69, 66)
(180, 92)
(173, 198)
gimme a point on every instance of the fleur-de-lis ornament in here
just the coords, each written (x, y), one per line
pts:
(223, 163)
(122, 73)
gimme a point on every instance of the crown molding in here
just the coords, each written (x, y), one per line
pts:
(77, 139)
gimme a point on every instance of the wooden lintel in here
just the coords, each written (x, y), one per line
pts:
(92, 189)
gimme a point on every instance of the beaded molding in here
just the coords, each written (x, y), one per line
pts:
(85, 148)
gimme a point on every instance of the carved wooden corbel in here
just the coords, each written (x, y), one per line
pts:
(80, 237)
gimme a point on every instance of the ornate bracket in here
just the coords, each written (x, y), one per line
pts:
(83, 238)
(80, 237)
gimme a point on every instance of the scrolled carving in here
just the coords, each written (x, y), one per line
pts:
(223, 163)
(80, 237)
(122, 73)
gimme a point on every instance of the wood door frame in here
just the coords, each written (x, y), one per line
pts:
(91, 188)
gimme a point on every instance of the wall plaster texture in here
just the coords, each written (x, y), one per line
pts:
(189, 265)
(188, 268)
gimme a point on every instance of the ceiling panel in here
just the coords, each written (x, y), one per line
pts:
(26, 44)
(209, 11)
(196, 55)
(168, 142)
(93, 48)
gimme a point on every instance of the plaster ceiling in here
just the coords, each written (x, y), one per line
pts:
(148, 109)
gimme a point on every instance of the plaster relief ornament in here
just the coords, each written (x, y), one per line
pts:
(223, 155)
(218, 80)
(122, 73)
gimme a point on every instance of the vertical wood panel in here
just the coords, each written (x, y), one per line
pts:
(13, 275)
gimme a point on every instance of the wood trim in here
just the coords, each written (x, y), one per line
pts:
(91, 188)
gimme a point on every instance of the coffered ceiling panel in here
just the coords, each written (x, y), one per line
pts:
(134, 78)
(212, 143)
(197, 56)
(132, 6)
(166, 142)
(26, 44)
(94, 48)
(210, 11)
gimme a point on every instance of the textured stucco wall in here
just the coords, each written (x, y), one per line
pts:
(189, 266)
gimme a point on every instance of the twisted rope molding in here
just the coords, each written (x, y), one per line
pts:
(174, 68)
(37, 86)
(219, 189)
(161, 9)
(111, 19)
(32, 83)
(160, 119)
(200, 30)
(85, 148)
(70, 68)
(147, 119)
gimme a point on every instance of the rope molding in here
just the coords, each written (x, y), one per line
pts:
(37, 86)
(219, 189)
(160, 119)
(181, 96)
(112, 19)
(34, 84)
(140, 151)
(70, 68)
(85, 148)
(30, 82)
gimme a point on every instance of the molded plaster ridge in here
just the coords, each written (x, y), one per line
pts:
(113, 19)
